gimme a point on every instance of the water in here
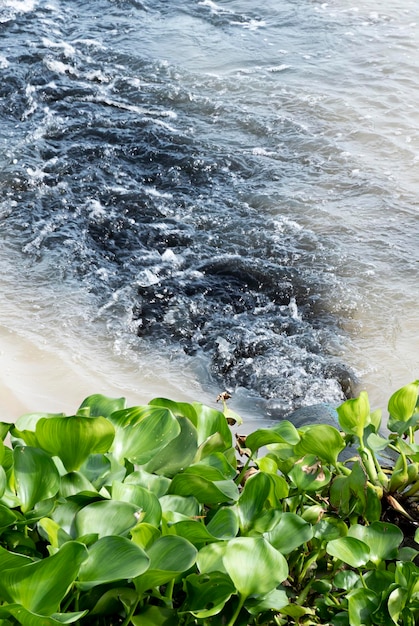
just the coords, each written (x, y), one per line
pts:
(198, 196)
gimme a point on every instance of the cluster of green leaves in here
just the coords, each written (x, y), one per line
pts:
(148, 516)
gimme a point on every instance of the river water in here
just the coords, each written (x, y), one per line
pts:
(198, 196)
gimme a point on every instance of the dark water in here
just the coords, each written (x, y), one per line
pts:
(198, 169)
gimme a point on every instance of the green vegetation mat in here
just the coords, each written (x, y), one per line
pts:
(156, 515)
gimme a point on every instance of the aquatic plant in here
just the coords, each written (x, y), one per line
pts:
(157, 515)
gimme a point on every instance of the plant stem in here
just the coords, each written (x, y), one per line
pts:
(237, 611)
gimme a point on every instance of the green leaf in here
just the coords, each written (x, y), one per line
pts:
(169, 556)
(402, 403)
(36, 476)
(382, 538)
(106, 517)
(187, 506)
(10, 560)
(329, 528)
(308, 474)
(102, 406)
(156, 484)
(284, 432)
(290, 533)
(204, 490)
(111, 559)
(206, 594)
(156, 616)
(192, 530)
(224, 524)
(146, 501)
(354, 415)
(144, 535)
(180, 409)
(41, 586)
(112, 601)
(53, 532)
(402, 408)
(73, 483)
(361, 604)
(142, 432)
(252, 499)
(7, 517)
(178, 454)
(254, 566)
(210, 558)
(29, 618)
(210, 422)
(323, 440)
(350, 550)
(74, 438)
(396, 603)
(275, 600)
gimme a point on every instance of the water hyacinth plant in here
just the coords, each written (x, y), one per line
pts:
(156, 515)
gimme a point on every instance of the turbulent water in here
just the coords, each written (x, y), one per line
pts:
(231, 185)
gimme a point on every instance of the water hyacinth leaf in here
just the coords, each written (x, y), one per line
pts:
(36, 476)
(218, 461)
(7, 517)
(185, 505)
(41, 586)
(142, 432)
(97, 468)
(56, 535)
(329, 528)
(224, 524)
(290, 533)
(169, 556)
(308, 474)
(346, 579)
(178, 454)
(276, 600)
(382, 538)
(206, 594)
(211, 422)
(350, 550)
(10, 560)
(156, 616)
(25, 426)
(180, 409)
(402, 403)
(111, 559)
(102, 406)
(29, 618)
(106, 517)
(113, 600)
(213, 444)
(73, 483)
(361, 604)
(210, 558)
(354, 415)
(396, 603)
(74, 438)
(144, 534)
(284, 432)
(204, 490)
(252, 499)
(193, 531)
(143, 499)
(323, 440)
(376, 442)
(254, 566)
(153, 483)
